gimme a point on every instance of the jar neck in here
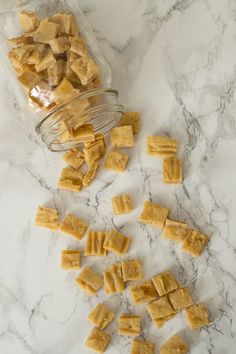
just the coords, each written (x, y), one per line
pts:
(98, 107)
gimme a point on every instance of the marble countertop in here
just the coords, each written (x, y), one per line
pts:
(174, 62)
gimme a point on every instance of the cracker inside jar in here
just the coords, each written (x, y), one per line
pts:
(51, 59)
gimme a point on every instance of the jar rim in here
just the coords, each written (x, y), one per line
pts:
(113, 109)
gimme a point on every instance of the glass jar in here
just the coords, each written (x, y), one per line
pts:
(61, 98)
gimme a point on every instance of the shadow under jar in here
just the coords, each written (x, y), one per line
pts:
(63, 75)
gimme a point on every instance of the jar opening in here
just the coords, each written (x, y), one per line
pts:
(98, 107)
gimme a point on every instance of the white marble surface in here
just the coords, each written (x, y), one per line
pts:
(174, 61)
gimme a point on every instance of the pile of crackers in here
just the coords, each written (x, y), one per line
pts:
(162, 295)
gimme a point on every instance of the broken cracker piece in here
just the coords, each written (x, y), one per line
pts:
(59, 45)
(29, 79)
(19, 40)
(161, 146)
(74, 158)
(47, 217)
(36, 54)
(174, 345)
(78, 46)
(90, 175)
(89, 281)
(164, 283)
(70, 259)
(153, 214)
(117, 243)
(63, 91)
(131, 118)
(132, 270)
(139, 346)
(142, 293)
(116, 161)
(97, 340)
(113, 280)
(122, 204)
(18, 57)
(194, 242)
(171, 170)
(196, 316)
(73, 226)
(129, 325)
(46, 60)
(94, 243)
(85, 69)
(66, 22)
(55, 72)
(101, 316)
(45, 32)
(28, 21)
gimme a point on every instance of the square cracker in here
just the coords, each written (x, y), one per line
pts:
(180, 299)
(161, 146)
(47, 217)
(74, 158)
(122, 137)
(84, 133)
(139, 346)
(196, 316)
(97, 340)
(132, 270)
(129, 325)
(131, 118)
(160, 308)
(94, 151)
(174, 230)
(113, 281)
(153, 214)
(94, 243)
(171, 170)
(89, 281)
(70, 259)
(117, 243)
(101, 316)
(122, 204)
(165, 283)
(73, 226)
(70, 179)
(159, 322)
(174, 345)
(194, 242)
(142, 293)
(115, 161)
